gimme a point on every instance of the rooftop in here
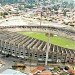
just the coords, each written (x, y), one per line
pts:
(45, 73)
(71, 71)
(37, 69)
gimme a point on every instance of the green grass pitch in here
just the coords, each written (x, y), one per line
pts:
(57, 40)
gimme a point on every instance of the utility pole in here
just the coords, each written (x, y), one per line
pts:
(40, 18)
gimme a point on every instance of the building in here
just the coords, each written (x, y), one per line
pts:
(40, 68)
(45, 73)
(71, 71)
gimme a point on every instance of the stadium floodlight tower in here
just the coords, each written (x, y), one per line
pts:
(48, 43)
(40, 18)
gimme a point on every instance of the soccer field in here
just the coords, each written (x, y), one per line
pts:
(57, 40)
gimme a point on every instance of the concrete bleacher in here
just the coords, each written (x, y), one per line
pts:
(56, 31)
(24, 46)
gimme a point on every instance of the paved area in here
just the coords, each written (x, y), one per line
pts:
(21, 20)
(9, 61)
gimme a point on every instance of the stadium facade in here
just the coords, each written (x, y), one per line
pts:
(23, 46)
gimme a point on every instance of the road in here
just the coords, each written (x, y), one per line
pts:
(20, 20)
(9, 61)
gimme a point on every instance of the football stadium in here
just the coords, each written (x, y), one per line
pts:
(37, 37)
(16, 41)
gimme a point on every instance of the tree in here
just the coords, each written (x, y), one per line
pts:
(56, 68)
(64, 12)
(66, 68)
(72, 74)
(64, 4)
(1, 14)
(14, 67)
(31, 2)
(5, 13)
(56, 7)
(28, 6)
(64, 73)
(53, 1)
(71, 4)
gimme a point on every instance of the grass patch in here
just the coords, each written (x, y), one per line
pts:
(57, 40)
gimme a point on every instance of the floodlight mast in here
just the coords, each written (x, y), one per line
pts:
(46, 60)
(40, 18)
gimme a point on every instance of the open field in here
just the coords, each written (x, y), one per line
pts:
(57, 40)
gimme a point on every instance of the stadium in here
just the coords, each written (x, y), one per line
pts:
(19, 45)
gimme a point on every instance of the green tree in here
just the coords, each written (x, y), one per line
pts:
(53, 1)
(71, 4)
(20, 7)
(64, 4)
(56, 68)
(1, 14)
(56, 7)
(64, 73)
(66, 68)
(5, 13)
(64, 12)
(28, 6)
(72, 74)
